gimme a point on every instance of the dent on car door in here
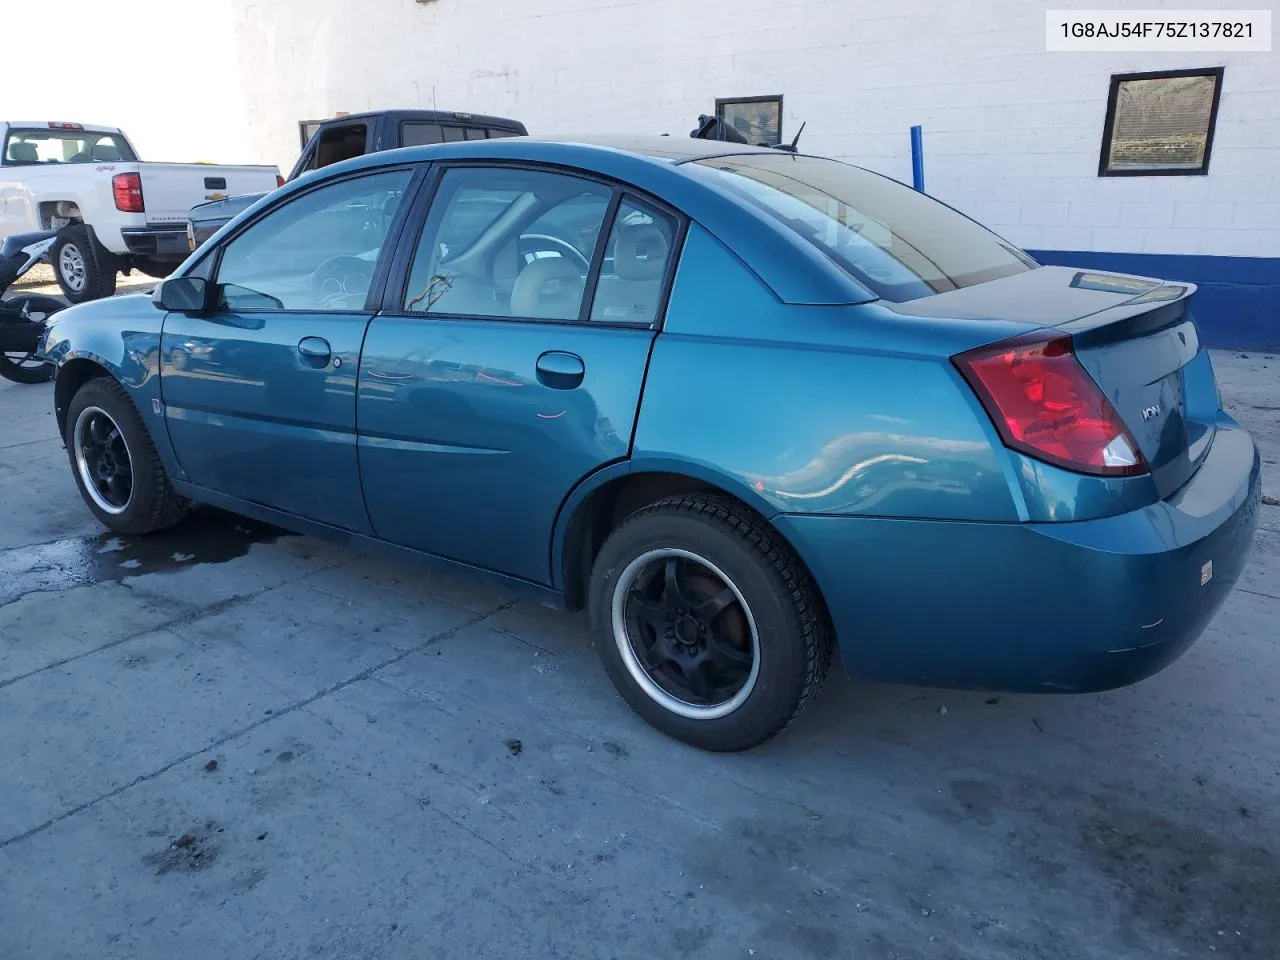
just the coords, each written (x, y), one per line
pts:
(511, 366)
(259, 392)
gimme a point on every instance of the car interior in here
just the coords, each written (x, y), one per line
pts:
(533, 257)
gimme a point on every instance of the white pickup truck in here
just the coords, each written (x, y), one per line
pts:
(113, 212)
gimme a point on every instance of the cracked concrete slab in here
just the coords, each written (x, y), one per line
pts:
(228, 742)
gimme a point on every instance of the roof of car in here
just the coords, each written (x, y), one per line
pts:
(678, 149)
(44, 125)
(430, 116)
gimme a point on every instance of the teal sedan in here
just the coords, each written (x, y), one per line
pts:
(744, 405)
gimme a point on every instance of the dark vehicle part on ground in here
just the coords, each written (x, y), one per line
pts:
(22, 318)
(345, 137)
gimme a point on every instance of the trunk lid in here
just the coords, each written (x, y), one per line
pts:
(1136, 338)
(170, 190)
(1145, 354)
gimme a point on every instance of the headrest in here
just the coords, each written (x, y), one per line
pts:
(103, 152)
(548, 289)
(20, 152)
(641, 253)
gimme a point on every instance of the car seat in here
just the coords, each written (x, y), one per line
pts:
(22, 152)
(549, 288)
(631, 295)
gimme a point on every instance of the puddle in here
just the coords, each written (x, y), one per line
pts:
(206, 536)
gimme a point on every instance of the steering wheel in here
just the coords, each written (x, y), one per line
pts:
(533, 242)
(340, 279)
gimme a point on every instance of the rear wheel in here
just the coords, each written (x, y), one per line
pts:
(707, 623)
(115, 464)
(85, 270)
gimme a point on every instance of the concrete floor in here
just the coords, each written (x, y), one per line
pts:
(227, 743)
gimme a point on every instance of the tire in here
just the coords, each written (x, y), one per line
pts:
(85, 270)
(25, 367)
(745, 611)
(101, 415)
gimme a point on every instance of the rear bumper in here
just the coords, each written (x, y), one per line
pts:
(162, 243)
(1037, 607)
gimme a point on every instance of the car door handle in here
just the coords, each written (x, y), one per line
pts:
(315, 348)
(561, 371)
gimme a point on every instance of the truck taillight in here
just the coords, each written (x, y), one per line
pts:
(127, 188)
(1045, 404)
(279, 181)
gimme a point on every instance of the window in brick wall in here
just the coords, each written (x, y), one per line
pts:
(1160, 124)
(759, 119)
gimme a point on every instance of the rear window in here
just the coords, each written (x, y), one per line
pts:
(65, 146)
(899, 243)
(414, 133)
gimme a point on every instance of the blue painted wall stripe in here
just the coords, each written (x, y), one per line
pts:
(1236, 305)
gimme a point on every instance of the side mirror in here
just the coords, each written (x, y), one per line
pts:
(183, 295)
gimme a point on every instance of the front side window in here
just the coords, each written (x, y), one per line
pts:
(317, 252)
(900, 244)
(507, 243)
(1160, 123)
(66, 146)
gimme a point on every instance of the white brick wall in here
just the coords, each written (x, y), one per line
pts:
(1012, 133)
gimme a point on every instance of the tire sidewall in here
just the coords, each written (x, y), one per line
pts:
(98, 283)
(136, 518)
(783, 663)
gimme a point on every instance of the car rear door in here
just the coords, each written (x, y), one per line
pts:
(259, 393)
(509, 361)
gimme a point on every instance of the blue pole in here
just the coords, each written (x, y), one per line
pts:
(917, 157)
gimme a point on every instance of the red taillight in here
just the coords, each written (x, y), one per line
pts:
(1045, 404)
(279, 180)
(127, 188)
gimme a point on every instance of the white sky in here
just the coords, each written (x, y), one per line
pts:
(163, 70)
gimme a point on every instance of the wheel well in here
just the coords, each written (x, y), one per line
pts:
(602, 511)
(73, 375)
(59, 209)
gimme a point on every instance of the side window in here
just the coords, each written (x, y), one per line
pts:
(414, 133)
(317, 252)
(639, 250)
(507, 243)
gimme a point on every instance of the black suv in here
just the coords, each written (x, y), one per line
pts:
(342, 138)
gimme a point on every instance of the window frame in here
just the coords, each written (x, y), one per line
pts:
(1108, 127)
(418, 174)
(401, 266)
(722, 102)
(302, 130)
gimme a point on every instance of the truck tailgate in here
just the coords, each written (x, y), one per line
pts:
(170, 190)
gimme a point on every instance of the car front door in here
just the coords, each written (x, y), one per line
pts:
(510, 366)
(259, 392)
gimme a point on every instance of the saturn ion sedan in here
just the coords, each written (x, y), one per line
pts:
(746, 406)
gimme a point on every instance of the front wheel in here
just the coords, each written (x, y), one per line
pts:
(85, 270)
(707, 623)
(115, 464)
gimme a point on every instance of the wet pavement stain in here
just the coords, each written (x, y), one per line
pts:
(206, 536)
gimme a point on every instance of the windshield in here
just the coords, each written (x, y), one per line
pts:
(899, 243)
(65, 146)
